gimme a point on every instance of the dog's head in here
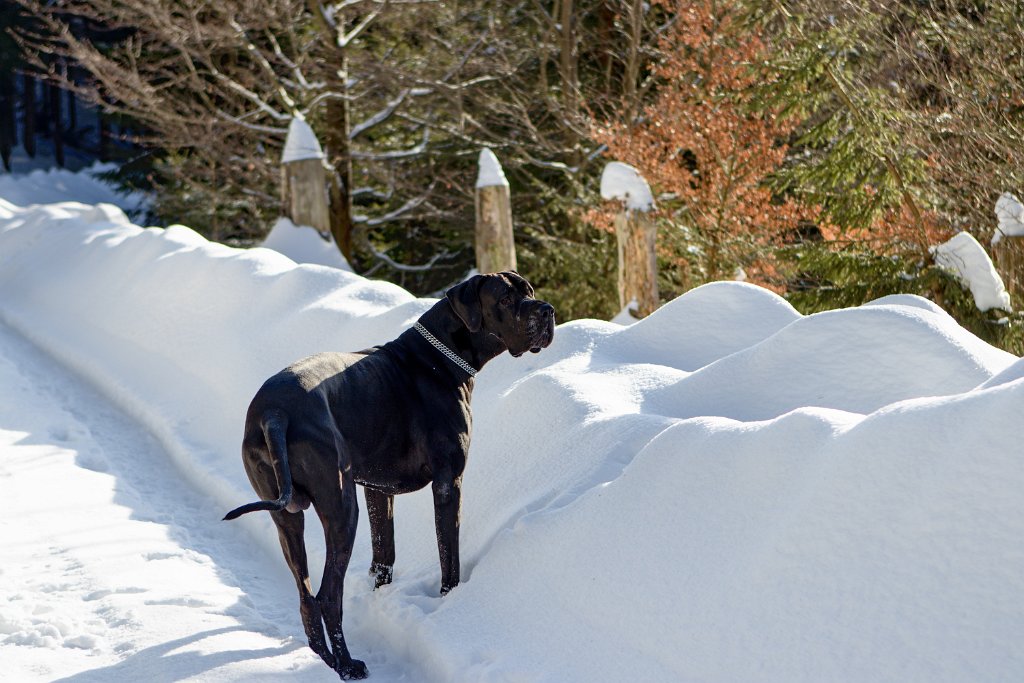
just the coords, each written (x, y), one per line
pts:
(502, 304)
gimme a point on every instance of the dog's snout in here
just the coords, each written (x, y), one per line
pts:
(544, 325)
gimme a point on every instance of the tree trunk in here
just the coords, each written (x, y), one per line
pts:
(28, 114)
(567, 59)
(56, 130)
(72, 114)
(1008, 255)
(638, 263)
(607, 14)
(104, 134)
(568, 68)
(8, 135)
(339, 129)
(631, 77)
(339, 149)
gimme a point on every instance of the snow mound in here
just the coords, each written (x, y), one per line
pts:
(970, 262)
(304, 244)
(703, 325)
(1007, 375)
(855, 360)
(163, 299)
(59, 185)
(723, 491)
(907, 300)
(1010, 214)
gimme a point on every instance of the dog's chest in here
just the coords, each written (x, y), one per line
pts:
(419, 440)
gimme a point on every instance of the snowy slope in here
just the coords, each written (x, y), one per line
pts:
(724, 491)
(111, 569)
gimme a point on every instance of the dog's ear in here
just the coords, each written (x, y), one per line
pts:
(465, 300)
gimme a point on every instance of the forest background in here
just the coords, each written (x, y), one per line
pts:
(816, 148)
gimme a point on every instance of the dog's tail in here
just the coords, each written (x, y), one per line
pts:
(275, 429)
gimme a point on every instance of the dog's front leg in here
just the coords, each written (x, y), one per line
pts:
(447, 501)
(380, 508)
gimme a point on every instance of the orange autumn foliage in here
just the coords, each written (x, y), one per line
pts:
(703, 144)
(896, 232)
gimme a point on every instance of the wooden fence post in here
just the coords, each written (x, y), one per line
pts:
(1007, 246)
(304, 192)
(495, 247)
(638, 263)
(1008, 255)
(636, 235)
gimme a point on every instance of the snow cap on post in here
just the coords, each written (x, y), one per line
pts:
(1010, 213)
(969, 261)
(490, 173)
(623, 182)
(301, 142)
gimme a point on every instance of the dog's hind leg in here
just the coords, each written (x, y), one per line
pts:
(289, 530)
(339, 514)
(380, 508)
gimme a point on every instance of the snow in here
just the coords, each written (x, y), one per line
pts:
(725, 490)
(623, 182)
(59, 185)
(970, 262)
(111, 567)
(627, 316)
(1010, 213)
(490, 173)
(304, 244)
(301, 142)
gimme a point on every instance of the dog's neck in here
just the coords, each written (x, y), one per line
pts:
(476, 348)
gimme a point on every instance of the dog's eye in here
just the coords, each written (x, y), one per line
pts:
(506, 300)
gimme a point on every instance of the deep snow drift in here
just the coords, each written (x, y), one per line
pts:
(304, 244)
(724, 491)
(43, 186)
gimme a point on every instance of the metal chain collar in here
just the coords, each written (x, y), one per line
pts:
(437, 344)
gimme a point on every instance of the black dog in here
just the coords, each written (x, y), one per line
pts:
(393, 418)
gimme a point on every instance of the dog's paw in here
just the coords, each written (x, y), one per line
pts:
(351, 670)
(381, 574)
(445, 590)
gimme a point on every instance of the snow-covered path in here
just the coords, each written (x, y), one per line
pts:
(724, 491)
(131, 575)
